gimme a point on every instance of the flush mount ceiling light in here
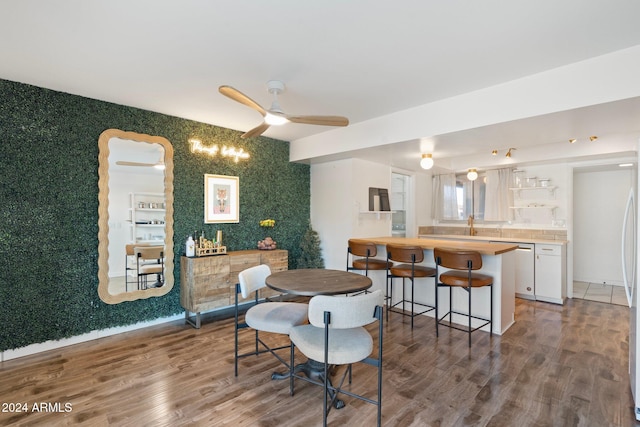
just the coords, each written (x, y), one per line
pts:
(509, 152)
(472, 174)
(494, 152)
(426, 162)
(593, 138)
(572, 140)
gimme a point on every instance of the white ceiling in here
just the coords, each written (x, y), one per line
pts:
(359, 58)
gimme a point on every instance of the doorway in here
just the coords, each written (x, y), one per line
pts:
(600, 197)
(399, 204)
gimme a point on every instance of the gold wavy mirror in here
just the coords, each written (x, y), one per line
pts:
(135, 216)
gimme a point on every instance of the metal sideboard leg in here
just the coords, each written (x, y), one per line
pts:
(190, 320)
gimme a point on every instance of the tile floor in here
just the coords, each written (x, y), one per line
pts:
(611, 294)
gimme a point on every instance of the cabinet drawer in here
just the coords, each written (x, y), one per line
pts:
(277, 260)
(544, 249)
(242, 262)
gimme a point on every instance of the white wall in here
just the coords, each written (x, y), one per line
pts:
(331, 205)
(339, 193)
(542, 217)
(599, 202)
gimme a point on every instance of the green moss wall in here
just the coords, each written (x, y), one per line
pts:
(49, 205)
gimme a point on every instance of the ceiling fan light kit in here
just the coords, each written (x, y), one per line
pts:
(158, 165)
(274, 120)
(275, 115)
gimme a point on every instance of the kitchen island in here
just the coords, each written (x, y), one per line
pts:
(498, 260)
(541, 265)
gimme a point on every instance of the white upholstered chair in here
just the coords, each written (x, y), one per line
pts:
(264, 316)
(336, 336)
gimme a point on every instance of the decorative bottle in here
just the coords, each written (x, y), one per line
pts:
(190, 247)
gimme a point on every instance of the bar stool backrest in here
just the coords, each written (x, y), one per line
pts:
(458, 259)
(129, 249)
(150, 253)
(367, 249)
(399, 253)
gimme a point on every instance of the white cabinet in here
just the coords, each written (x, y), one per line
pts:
(147, 217)
(550, 273)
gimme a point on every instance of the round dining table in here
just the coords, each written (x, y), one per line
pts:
(317, 281)
(311, 282)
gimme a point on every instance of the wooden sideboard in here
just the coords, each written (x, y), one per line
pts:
(210, 282)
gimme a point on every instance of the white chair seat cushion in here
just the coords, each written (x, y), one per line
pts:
(345, 345)
(276, 317)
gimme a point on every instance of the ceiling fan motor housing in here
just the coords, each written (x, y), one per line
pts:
(275, 86)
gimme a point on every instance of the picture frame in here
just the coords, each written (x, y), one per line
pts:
(221, 199)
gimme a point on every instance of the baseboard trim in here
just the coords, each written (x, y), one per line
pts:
(89, 336)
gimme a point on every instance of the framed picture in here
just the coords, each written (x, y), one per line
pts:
(221, 199)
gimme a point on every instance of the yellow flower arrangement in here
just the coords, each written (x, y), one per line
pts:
(268, 223)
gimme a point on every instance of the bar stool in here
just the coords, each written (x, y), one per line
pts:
(367, 261)
(462, 263)
(408, 256)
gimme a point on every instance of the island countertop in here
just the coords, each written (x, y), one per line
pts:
(485, 248)
(493, 239)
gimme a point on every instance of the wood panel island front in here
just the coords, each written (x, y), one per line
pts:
(498, 260)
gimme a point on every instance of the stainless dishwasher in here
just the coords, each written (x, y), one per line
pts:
(525, 270)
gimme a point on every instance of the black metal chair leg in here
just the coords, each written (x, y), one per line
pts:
(469, 290)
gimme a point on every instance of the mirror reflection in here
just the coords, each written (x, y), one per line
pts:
(135, 214)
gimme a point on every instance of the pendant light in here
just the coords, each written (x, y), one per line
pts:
(472, 175)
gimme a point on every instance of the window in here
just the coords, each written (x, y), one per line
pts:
(470, 194)
(487, 198)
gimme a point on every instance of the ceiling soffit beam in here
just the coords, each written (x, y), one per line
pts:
(594, 81)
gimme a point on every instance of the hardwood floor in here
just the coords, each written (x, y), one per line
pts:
(557, 366)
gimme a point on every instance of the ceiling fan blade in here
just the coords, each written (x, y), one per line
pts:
(320, 120)
(258, 130)
(123, 163)
(240, 97)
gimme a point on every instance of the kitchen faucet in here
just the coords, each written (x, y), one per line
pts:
(472, 231)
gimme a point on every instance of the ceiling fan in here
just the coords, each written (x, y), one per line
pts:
(275, 115)
(157, 165)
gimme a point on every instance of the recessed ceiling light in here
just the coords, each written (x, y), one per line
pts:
(593, 138)
(572, 140)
